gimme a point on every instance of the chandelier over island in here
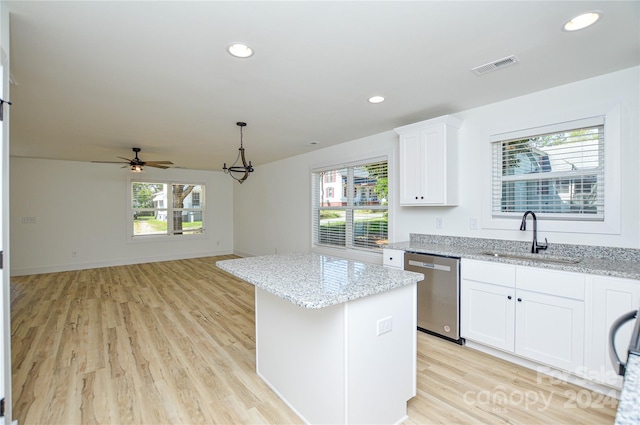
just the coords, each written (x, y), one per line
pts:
(239, 172)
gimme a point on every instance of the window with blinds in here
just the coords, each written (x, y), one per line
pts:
(350, 206)
(556, 172)
(167, 208)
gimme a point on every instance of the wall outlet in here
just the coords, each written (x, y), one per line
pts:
(74, 254)
(384, 325)
(28, 220)
(439, 223)
(473, 224)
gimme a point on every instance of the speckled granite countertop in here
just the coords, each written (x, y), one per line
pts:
(316, 281)
(607, 261)
(629, 406)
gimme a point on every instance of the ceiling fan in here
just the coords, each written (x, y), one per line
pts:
(136, 163)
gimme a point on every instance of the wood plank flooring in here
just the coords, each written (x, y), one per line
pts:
(174, 343)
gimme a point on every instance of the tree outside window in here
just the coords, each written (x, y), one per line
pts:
(167, 208)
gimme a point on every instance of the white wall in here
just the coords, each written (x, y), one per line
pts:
(81, 207)
(273, 207)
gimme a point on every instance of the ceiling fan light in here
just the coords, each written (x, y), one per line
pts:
(136, 168)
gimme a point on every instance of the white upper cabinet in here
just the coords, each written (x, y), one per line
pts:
(429, 162)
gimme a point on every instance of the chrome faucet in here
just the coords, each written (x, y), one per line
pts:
(523, 226)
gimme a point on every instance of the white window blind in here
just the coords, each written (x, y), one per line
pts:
(160, 208)
(350, 206)
(556, 172)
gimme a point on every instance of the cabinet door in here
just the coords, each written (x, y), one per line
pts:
(550, 330)
(411, 169)
(611, 298)
(434, 158)
(487, 314)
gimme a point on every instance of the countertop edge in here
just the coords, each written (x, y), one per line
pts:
(400, 278)
(603, 267)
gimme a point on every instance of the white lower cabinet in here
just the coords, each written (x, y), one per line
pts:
(393, 258)
(550, 330)
(611, 297)
(487, 314)
(533, 313)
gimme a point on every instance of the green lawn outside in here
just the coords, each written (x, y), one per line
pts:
(150, 225)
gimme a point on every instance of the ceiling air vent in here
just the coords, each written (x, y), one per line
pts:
(492, 66)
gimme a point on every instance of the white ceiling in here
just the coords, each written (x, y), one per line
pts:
(94, 79)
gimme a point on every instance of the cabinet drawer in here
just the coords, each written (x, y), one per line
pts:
(485, 271)
(552, 282)
(393, 258)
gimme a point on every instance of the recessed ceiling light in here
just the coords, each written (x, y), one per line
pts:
(240, 50)
(376, 99)
(582, 21)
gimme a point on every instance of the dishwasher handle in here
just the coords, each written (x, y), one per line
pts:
(429, 265)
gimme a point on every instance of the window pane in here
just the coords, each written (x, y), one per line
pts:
(148, 195)
(370, 184)
(331, 190)
(187, 215)
(370, 228)
(557, 173)
(568, 151)
(187, 222)
(332, 227)
(562, 195)
(350, 206)
(150, 222)
(158, 211)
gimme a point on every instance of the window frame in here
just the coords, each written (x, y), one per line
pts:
(350, 207)
(611, 224)
(131, 238)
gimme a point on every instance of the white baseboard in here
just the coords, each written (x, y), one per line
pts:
(111, 263)
(242, 254)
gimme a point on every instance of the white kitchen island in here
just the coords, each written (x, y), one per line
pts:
(335, 338)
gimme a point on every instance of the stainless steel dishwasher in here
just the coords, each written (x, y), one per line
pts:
(438, 294)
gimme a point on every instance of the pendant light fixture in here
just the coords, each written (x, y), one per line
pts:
(239, 172)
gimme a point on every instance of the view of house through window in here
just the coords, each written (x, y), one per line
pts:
(167, 208)
(557, 175)
(350, 206)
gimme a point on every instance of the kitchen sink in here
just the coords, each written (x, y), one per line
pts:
(533, 257)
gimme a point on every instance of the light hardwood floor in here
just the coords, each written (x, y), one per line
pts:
(173, 343)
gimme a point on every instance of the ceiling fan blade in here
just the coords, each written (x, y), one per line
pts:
(137, 162)
(159, 162)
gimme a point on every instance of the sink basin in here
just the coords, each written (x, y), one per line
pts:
(533, 257)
